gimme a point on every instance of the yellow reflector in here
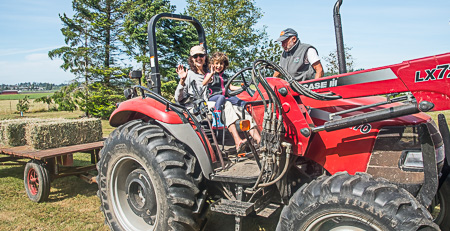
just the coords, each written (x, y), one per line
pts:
(244, 125)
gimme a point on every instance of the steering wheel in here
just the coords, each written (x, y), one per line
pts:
(244, 85)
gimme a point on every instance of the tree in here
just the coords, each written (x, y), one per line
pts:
(102, 100)
(174, 39)
(47, 100)
(229, 27)
(92, 41)
(332, 63)
(23, 105)
(269, 50)
(93, 46)
(77, 55)
(65, 98)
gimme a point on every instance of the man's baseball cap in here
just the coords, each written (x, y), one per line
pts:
(197, 50)
(286, 34)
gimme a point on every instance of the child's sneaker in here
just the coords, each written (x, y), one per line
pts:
(217, 122)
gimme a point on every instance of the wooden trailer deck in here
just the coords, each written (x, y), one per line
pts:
(27, 152)
(47, 165)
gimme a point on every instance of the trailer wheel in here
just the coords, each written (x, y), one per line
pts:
(442, 199)
(37, 181)
(359, 202)
(146, 180)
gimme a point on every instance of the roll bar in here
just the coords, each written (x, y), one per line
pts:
(155, 75)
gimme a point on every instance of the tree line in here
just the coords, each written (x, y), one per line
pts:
(105, 37)
(31, 86)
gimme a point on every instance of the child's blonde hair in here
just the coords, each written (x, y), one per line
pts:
(220, 57)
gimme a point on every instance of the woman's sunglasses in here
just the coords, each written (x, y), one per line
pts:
(198, 55)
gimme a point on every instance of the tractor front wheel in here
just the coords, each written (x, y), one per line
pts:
(442, 199)
(146, 180)
(353, 202)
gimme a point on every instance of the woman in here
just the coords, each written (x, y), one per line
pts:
(198, 64)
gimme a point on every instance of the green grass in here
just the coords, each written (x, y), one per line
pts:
(72, 205)
(21, 96)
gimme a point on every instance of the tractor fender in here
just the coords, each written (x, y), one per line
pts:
(186, 134)
(138, 108)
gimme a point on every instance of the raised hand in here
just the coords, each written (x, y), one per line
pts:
(182, 73)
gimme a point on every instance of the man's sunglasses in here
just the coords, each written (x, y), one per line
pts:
(198, 55)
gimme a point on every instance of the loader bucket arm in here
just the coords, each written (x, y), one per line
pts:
(428, 79)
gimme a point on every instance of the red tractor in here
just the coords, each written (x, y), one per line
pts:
(333, 154)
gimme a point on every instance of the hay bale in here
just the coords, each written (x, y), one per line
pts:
(12, 132)
(53, 134)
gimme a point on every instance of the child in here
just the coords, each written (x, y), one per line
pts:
(216, 81)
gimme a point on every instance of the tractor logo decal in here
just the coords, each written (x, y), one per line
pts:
(366, 77)
(439, 72)
(322, 84)
(364, 129)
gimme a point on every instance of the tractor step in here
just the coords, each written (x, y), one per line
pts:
(229, 207)
(244, 172)
(268, 211)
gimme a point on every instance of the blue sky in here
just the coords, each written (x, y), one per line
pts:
(380, 32)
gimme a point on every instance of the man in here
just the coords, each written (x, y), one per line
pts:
(301, 60)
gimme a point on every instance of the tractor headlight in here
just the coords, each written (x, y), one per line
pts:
(413, 159)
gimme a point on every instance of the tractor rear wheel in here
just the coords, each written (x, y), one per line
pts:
(146, 180)
(359, 202)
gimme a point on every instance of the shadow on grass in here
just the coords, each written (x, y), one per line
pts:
(60, 188)
(70, 187)
(221, 222)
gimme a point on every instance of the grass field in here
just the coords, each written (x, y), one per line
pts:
(8, 104)
(21, 96)
(73, 204)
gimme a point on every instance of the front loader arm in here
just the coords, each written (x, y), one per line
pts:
(428, 79)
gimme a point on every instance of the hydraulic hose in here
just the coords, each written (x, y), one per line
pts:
(286, 164)
(297, 87)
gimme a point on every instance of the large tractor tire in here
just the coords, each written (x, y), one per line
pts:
(359, 202)
(442, 199)
(146, 180)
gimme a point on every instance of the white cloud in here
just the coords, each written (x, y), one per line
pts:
(37, 57)
(33, 68)
(8, 52)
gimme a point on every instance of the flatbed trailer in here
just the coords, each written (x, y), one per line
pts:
(49, 164)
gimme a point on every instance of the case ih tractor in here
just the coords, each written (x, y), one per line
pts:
(333, 154)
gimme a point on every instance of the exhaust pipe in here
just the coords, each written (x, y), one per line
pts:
(339, 37)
